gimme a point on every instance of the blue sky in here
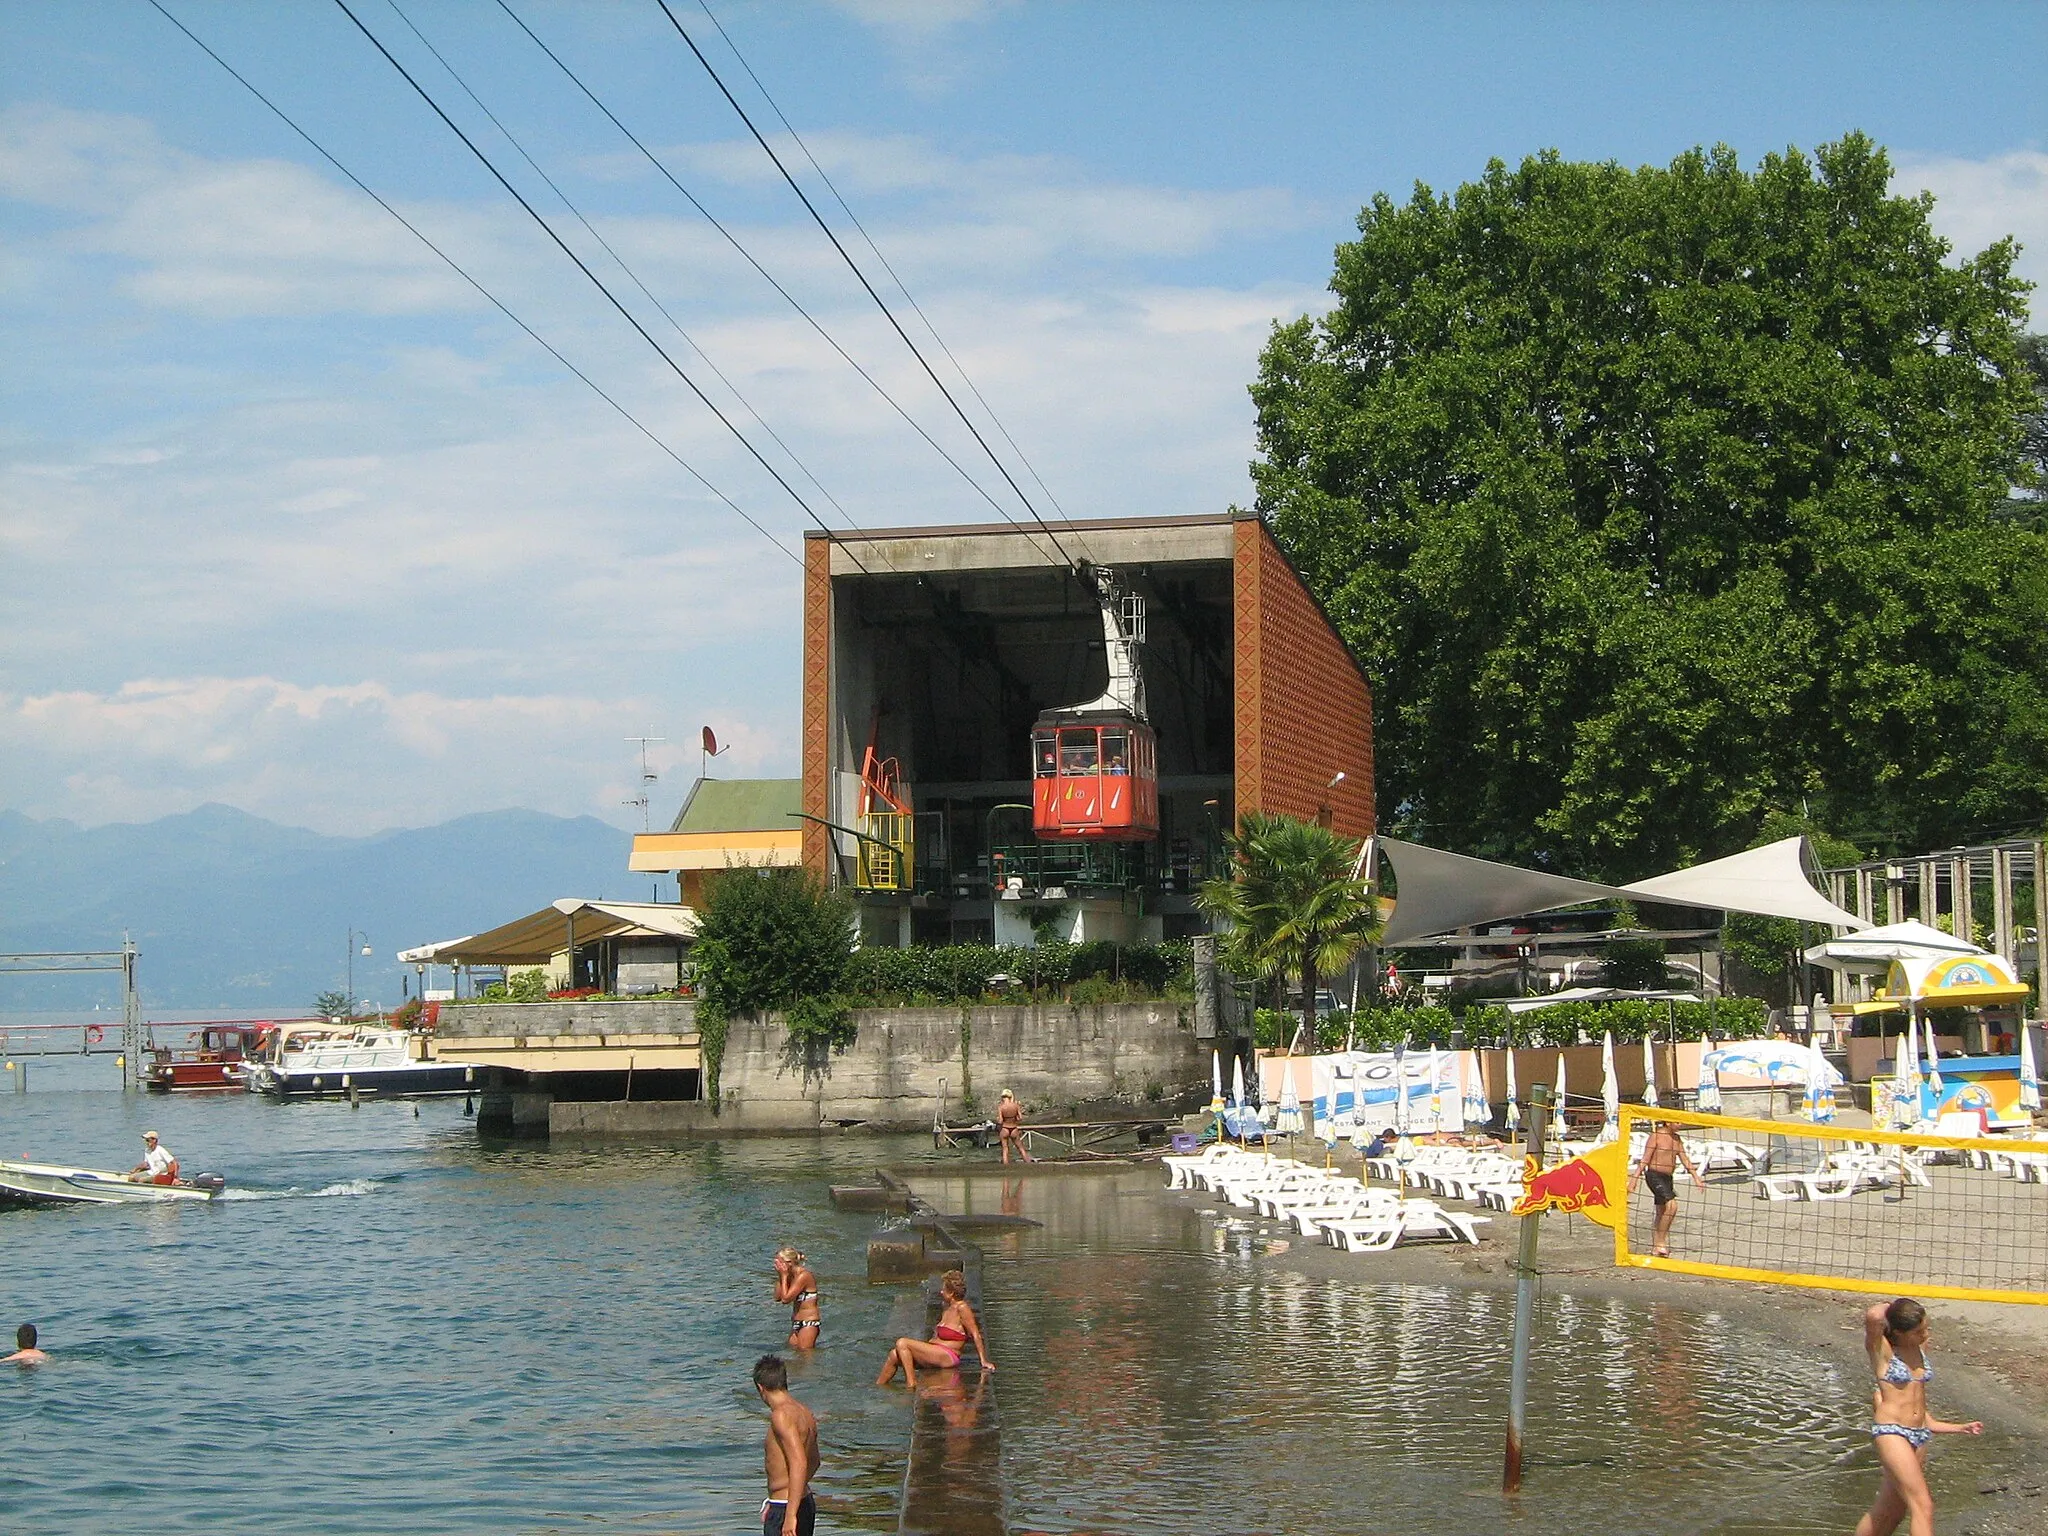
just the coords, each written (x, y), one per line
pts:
(290, 519)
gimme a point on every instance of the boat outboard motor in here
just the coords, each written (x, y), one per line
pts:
(212, 1181)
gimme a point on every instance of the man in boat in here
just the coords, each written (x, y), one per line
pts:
(158, 1166)
(792, 1454)
(25, 1352)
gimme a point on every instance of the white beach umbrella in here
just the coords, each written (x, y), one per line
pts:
(1649, 1072)
(1820, 1092)
(1237, 1094)
(1610, 1090)
(1288, 1122)
(2030, 1077)
(1514, 1094)
(1557, 1120)
(1477, 1110)
(1933, 1066)
(1436, 1089)
(1401, 1090)
(1709, 1097)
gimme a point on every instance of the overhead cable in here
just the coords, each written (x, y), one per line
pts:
(692, 341)
(909, 298)
(766, 276)
(584, 267)
(455, 266)
(854, 266)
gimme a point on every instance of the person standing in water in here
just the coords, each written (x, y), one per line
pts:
(1662, 1154)
(1010, 1126)
(1895, 1336)
(956, 1328)
(790, 1454)
(25, 1351)
(795, 1284)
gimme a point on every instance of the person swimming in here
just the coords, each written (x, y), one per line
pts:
(25, 1351)
(795, 1284)
(956, 1329)
(1895, 1337)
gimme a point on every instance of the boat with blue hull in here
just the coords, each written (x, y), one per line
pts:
(389, 1063)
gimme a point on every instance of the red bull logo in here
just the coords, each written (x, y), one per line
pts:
(1571, 1187)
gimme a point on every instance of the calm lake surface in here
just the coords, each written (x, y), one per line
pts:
(389, 1326)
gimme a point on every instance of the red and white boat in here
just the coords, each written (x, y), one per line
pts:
(218, 1059)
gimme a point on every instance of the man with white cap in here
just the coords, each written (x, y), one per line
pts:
(159, 1164)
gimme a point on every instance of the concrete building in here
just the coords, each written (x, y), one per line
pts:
(935, 650)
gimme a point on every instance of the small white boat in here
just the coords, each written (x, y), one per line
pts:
(50, 1184)
(385, 1062)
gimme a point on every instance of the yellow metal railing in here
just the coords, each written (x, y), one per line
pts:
(887, 856)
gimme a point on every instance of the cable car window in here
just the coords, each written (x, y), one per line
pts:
(1077, 751)
(1047, 754)
(1116, 752)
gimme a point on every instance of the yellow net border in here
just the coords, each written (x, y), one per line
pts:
(1959, 1218)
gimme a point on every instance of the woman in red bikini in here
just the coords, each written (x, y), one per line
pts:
(957, 1328)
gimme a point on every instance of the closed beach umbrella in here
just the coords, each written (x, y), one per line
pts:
(1906, 1075)
(1514, 1095)
(1237, 1095)
(1401, 1090)
(2030, 1078)
(1709, 1099)
(1436, 1089)
(1563, 1097)
(1215, 1082)
(1934, 1084)
(1649, 1072)
(1477, 1110)
(1288, 1122)
(1610, 1090)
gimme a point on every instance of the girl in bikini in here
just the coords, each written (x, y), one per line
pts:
(795, 1284)
(1896, 1337)
(957, 1328)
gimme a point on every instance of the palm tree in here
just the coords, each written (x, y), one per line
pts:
(1296, 903)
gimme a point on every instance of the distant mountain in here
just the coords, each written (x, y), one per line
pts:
(233, 911)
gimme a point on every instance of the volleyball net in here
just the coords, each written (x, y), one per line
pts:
(1790, 1202)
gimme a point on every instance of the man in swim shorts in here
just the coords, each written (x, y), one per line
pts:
(791, 1454)
(1662, 1154)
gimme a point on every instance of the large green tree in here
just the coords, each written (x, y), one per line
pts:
(1655, 499)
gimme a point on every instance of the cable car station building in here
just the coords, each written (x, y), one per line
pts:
(1013, 732)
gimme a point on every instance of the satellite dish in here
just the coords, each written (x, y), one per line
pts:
(710, 743)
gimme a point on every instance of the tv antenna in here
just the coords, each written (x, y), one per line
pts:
(647, 779)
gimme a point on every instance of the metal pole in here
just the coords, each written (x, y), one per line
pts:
(1525, 1308)
(131, 1017)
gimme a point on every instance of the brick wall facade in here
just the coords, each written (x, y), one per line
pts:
(1304, 711)
(817, 726)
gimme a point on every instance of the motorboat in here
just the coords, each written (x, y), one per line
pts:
(363, 1060)
(219, 1060)
(48, 1184)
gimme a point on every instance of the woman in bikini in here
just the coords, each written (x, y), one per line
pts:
(957, 1328)
(1896, 1337)
(795, 1284)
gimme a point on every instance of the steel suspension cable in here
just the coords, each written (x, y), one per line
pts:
(456, 267)
(854, 266)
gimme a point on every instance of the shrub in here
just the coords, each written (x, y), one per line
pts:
(953, 973)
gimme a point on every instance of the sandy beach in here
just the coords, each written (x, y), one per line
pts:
(1993, 1358)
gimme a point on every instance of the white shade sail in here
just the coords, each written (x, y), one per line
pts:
(1769, 881)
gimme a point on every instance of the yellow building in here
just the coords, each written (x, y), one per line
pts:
(723, 823)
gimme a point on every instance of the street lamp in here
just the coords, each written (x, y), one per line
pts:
(350, 946)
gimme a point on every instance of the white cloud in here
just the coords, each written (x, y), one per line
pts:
(1978, 202)
(340, 758)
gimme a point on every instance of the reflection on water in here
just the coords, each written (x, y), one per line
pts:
(1163, 1374)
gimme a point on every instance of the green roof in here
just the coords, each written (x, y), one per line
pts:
(741, 805)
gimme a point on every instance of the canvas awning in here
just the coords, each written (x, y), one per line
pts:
(1439, 891)
(1954, 981)
(538, 937)
(1590, 995)
(1874, 949)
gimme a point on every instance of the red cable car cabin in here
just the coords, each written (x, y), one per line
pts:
(1095, 778)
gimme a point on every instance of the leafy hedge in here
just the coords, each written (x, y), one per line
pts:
(1381, 1029)
(1085, 973)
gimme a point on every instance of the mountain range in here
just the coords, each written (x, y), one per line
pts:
(233, 912)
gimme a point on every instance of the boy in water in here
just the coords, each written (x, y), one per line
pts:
(791, 1454)
(25, 1352)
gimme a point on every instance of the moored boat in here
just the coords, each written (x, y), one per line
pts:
(219, 1059)
(373, 1060)
(52, 1184)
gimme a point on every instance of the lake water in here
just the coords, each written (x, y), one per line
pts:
(389, 1326)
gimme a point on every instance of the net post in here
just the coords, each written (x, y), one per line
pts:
(1525, 1306)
